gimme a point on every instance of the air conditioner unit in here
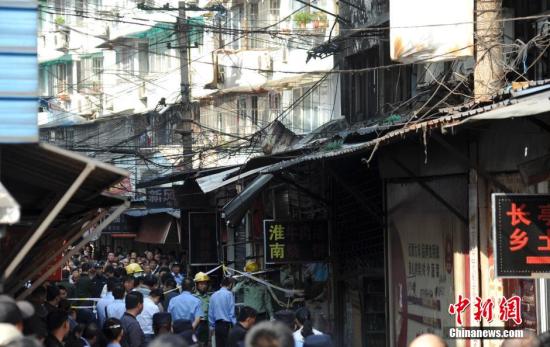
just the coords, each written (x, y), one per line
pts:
(266, 62)
(105, 33)
(61, 40)
(95, 112)
(142, 91)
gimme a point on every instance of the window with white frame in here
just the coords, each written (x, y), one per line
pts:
(43, 80)
(307, 114)
(59, 6)
(297, 111)
(253, 23)
(61, 78)
(274, 101)
(241, 113)
(237, 15)
(274, 9)
(125, 59)
(219, 121)
(80, 11)
(161, 59)
(97, 68)
(312, 109)
(254, 109)
(143, 58)
(286, 103)
(89, 74)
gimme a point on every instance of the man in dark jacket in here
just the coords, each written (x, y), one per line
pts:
(133, 334)
(246, 319)
(170, 291)
(84, 283)
(58, 328)
(53, 297)
(65, 283)
(98, 280)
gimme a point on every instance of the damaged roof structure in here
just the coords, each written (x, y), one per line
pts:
(336, 139)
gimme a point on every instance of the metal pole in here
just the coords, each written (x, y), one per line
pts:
(542, 286)
(489, 71)
(49, 219)
(99, 229)
(187, 131)
(473, 239)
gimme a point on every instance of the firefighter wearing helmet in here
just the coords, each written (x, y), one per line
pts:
(201, 292)
(255, 295)
(134, 269)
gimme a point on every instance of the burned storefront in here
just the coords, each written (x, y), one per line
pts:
(408, 210)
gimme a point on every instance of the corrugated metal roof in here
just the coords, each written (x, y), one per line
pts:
(530, 101)
(37, 176)
(210, 183)
(18, 72)
(32, 173)
(174, 212)
(521, 102)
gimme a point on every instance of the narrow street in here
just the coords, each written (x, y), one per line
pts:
(274, 173)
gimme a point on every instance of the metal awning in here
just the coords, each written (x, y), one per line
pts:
(181, 176)
(235, 210)
(250, 89)
(37, 173)
(158, 29)
(62, 59)
(530, 105)
(210, 182)
(214, 182)
(156, 228)
(61, 196)
(294, 81)
(142, 212)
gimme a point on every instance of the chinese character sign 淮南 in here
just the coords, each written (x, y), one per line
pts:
(295, 241)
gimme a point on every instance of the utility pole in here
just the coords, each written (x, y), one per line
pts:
(187, 130)
(489, 70)
(183, 45)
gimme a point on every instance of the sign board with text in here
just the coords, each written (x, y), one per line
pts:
(521, 232)
(295, 241)
(163, 197)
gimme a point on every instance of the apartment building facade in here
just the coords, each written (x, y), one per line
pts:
(262, 71)
(248, 65)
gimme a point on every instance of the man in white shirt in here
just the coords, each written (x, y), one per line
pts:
(305, 328)
(101, 306)
(145, 318)
(117, 308)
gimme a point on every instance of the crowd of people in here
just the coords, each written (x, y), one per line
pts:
(119, 299)
(132, 300)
